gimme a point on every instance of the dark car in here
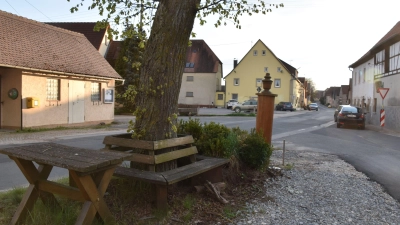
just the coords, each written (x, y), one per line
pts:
(284, 106)
(351, 115)
(337, 111)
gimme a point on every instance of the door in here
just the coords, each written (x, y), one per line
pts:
(76, 109)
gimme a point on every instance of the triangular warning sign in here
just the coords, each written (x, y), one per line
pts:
(383, 92)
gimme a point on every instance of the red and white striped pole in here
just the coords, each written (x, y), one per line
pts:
(382, 117)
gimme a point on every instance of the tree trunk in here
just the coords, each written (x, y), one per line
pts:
(162, 69)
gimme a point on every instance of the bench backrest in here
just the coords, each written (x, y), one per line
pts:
(153, 152)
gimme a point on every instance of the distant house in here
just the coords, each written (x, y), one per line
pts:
(379, 68)
(247, 75)
(51, 77)
(99, 39)
(349, 93)
(332, 96)
(344, 90)
(201, 79)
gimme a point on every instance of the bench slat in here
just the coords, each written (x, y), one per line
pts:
(147, 176)
(141, 158)
(165, 157)
(173, 142)
(148, 145)
(191, 170)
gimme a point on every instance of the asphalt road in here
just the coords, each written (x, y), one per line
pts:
(371, 152)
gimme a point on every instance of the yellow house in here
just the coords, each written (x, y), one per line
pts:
(247, 75)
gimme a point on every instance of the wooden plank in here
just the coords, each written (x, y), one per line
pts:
(173, 142)
(126, 142)
(141, 158)
(60, 189)
(165, 157)
(184, 172)
(147, 176)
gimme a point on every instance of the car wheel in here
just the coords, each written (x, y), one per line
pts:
(237, 110)
(317, 110)
(338, 125)
(334, 118)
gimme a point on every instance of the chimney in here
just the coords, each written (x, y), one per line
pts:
(234, 63)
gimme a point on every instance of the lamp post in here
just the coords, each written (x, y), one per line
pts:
(265, 109)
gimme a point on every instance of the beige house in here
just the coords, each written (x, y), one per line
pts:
(201, 79)
(247, 75)
(51, 77)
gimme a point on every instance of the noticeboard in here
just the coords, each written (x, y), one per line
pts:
(108, 95)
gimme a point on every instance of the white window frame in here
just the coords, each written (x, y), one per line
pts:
(189, 94)
(394, 58)
(190, 78)
(236, 81)
(277, 83)
(259, 82)
(379, 63)
(264, 52)
(265, 69)
(53, 89)
(255, 52)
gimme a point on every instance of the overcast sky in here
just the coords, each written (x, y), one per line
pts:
(319, 37)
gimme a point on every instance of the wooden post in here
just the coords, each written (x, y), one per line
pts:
(265, 109)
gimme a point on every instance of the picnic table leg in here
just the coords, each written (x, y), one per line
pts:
(93, 193)
(32, 174)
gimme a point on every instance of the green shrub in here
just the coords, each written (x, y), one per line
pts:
(255, 152)
(211, 141)
(191, 127)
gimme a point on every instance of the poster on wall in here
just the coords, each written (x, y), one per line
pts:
(108, 95)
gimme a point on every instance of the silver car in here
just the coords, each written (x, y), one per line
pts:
(250, 105)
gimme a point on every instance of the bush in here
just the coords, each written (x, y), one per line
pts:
(255, 152)
(211, 141)
(191, 127)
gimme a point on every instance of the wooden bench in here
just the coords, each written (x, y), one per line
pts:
(188, 111)
(155, 154)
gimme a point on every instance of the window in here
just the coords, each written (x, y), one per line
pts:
(380, 62)
(279, 69)
(255, 52)
(220, 97)
(96, 96)
(374, 110)
(189, 78)
(235, 96)
(364, 75)
(236, 81)
(53, 89)
(359, 76)
(259, 82)
(266, 69)
(355, 77)
(277, 83)
(263, 52)
(189, 94)
(189, 65)
(394, 61)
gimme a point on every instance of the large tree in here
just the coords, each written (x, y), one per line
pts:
(171, 23)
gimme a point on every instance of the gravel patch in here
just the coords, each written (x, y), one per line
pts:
(320, 189)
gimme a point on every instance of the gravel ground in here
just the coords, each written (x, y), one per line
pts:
(321, 189)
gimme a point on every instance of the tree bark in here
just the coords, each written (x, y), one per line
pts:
(162, 69)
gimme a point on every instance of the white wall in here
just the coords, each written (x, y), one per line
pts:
(363, 85)
(203, 86)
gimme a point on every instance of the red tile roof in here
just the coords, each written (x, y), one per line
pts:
(394, 33)
(204, 59)
(29, 44)
(86, 28)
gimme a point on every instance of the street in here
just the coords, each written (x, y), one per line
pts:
(369, 151)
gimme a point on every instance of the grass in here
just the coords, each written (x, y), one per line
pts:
(33, 130)
(241, 114)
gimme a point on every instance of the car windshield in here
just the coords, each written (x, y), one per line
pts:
(313, 104)
(288, 103)
(350, 110)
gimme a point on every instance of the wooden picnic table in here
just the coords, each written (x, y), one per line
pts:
(90, 170)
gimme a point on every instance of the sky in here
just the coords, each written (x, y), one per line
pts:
(320, 38)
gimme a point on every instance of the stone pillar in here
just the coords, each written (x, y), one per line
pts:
(265, 109)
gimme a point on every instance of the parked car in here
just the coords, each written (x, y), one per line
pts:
(250, 105)
(284, 106)
(231, 103)
(313, 106)
(337, 111)
(351, 115)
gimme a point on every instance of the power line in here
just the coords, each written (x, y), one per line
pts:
(38, 10)
(12, 7)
